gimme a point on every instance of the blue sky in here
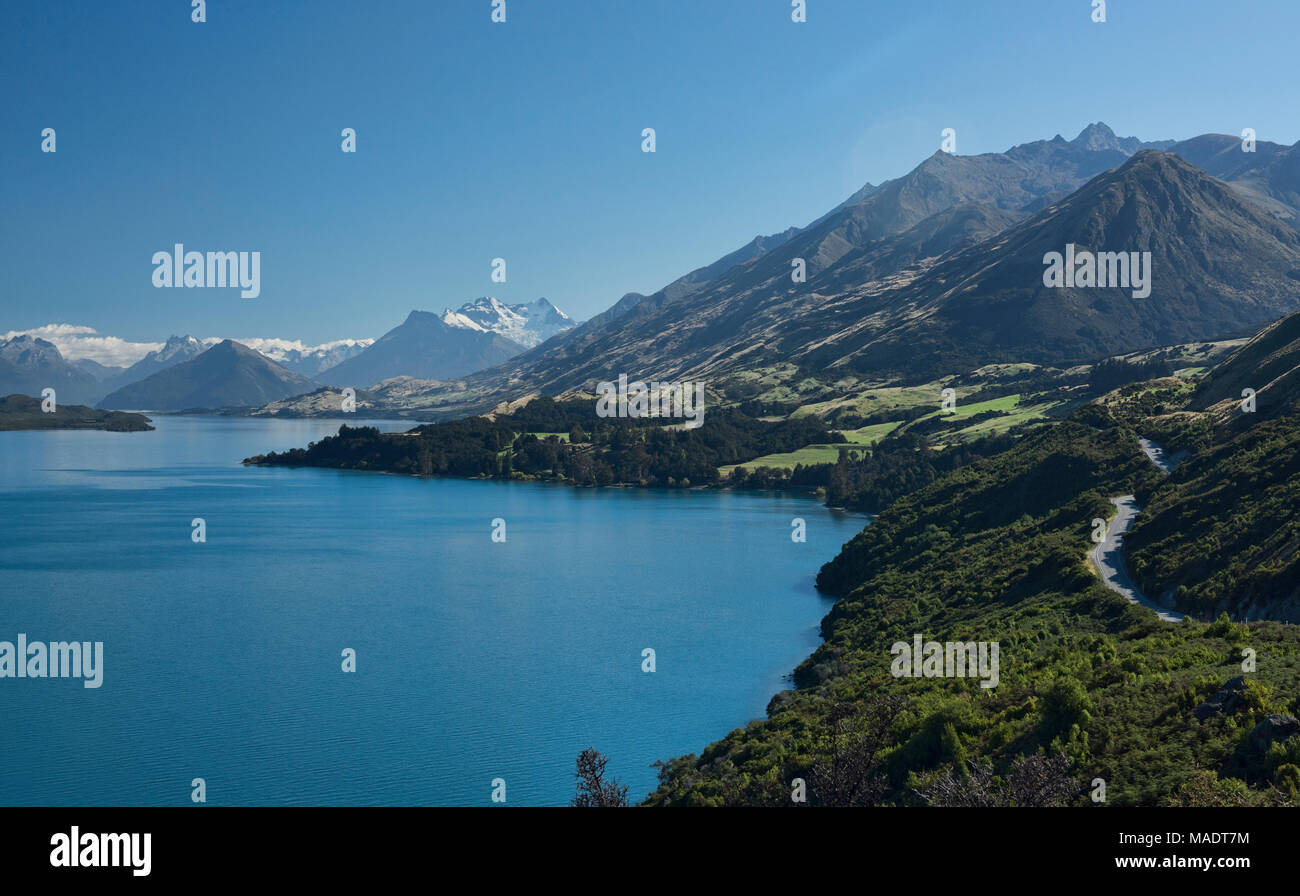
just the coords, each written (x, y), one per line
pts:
(523, 140)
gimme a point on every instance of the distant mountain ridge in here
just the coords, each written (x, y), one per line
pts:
(452, 344)
(226, 375)
(176, 350)
(929, 274)
(476, 335)
(423, 346)
(101, 372)
(309, 361)
(1220, 266)
(876, 301)
(29, 364)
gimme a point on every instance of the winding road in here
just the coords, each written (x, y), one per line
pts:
(1108, 557)
(1157, 456)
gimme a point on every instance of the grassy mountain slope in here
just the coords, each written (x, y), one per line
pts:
(1219, 266)
(744, 311)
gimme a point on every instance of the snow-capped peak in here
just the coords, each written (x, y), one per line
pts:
(456, 319)
(177, 345)
(527, 324)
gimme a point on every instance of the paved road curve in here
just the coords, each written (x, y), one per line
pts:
(1108, 557)
(1157, 456)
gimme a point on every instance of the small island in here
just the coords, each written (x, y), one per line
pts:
(24, 412)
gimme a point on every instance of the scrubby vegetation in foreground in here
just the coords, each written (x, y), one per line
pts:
(1091, 687)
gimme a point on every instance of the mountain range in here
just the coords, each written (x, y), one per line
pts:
(227, 375)
(476, 335)
(932, 274)
(29, 364)
(1219, 266)
(176, 350)
(940, 271)
(430, 346)
(307, 360)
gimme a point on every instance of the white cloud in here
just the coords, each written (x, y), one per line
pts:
(76, 342)
(276, 349)
(49, 330)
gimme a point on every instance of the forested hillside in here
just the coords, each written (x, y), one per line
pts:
(561, 441)
(1221, 535)
(1091, 687)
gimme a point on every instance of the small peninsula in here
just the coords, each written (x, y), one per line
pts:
(24, 412)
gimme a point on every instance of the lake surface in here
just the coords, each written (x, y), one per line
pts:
(474, 660)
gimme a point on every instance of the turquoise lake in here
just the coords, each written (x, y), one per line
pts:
(475, 660)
